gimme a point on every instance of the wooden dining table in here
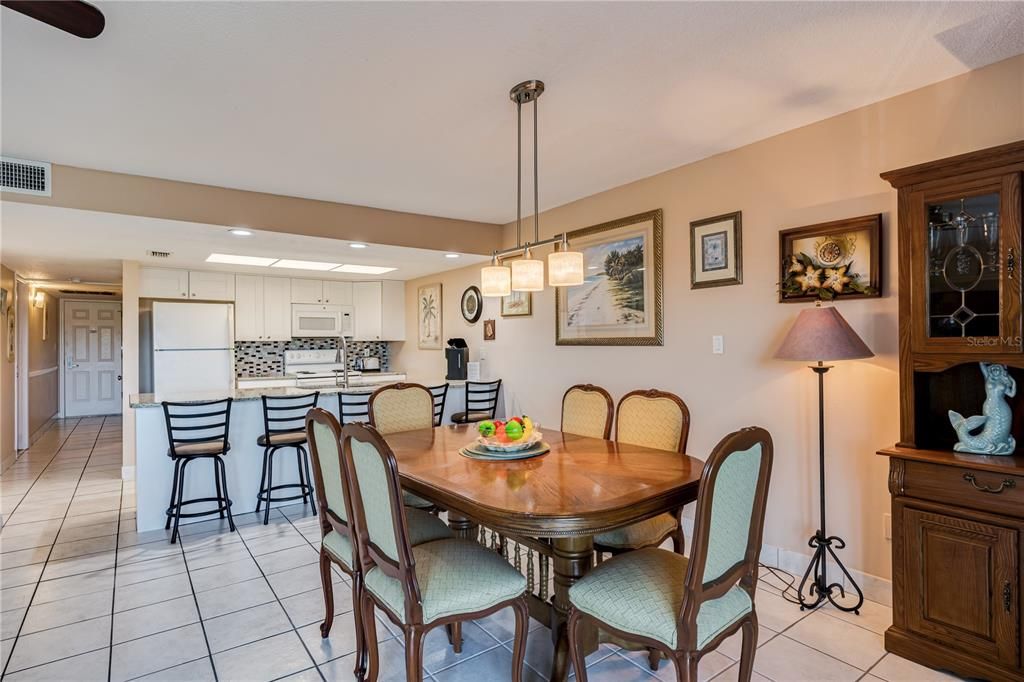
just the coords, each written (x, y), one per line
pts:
(554, 503)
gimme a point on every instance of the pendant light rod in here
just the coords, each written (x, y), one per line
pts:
(519, 172)
(517, 250)
(536, 202)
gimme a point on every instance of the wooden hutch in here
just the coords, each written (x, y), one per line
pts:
(958, 519)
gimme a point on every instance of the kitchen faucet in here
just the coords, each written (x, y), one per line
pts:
(342, 357)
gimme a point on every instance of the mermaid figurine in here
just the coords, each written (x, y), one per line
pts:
(995, 420)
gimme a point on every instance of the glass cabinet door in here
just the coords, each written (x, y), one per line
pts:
(970, 296)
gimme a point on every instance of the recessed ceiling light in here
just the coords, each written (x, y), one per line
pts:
(364, 269)
(239, 232)
(304, 265)
(356, 245)
(451, 255)
(239, 260)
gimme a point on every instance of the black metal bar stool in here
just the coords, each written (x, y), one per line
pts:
(440, 394)
(354, 407)
(197, 431)
(481, 402)
(284, 426)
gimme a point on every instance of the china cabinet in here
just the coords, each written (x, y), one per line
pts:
(958, 519)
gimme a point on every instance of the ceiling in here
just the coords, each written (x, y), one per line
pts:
(405, 105)
(48, 243)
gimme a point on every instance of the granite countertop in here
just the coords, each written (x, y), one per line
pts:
(243, 394)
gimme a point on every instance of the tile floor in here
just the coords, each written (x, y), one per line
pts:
(86, 597)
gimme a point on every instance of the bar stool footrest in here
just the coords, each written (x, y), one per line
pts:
(217, 510)
(307, 491)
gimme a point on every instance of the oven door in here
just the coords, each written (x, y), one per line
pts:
(321, 320)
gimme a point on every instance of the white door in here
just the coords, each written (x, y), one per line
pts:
(211, 286)
(367, 297)
(163, 283)
(277, 309)
(307, 291)
(337, 293)
(248, 308)
(92, 358)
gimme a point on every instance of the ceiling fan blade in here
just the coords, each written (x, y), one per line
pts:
(77, 18)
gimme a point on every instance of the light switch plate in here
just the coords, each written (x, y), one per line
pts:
(717, 345)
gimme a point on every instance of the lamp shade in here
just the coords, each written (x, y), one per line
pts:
(527, 274)
(821, 333)
(565, 268)
(495, 280)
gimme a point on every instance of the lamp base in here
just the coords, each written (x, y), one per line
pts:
(820, 589)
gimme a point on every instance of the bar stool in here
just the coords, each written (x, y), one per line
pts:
(354, 407)
(481, 402)
(284, 426)
(197, 431)
(440, 394)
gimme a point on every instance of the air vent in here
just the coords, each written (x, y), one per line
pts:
(78, 292)
(159, 254)
(24, 177)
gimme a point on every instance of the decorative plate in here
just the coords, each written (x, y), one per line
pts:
(474, 451)
(472, 305)
(495, 445)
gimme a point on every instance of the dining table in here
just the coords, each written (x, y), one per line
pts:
(551, 504)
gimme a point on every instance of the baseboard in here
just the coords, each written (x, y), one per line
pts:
(128, 473)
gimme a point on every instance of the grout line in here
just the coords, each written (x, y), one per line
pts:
(192, 587)
(113, 591)
(7, 517)
(170, 667)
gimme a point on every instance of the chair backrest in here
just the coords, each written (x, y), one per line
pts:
(201, 422)
(440, 394)
(330, 484)
(482, 396)
(378, 512)
(401, 407)
(653, 419)
(287, 414)
(353, 408)
(587, 411)
(729, 522)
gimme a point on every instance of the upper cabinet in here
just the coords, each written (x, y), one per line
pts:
(326, 291)
(379, 311)
(262, 308)
(337, 293)
(180, 284)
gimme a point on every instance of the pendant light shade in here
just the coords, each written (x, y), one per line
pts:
(527, 273)
(495, 280)
(565, 268)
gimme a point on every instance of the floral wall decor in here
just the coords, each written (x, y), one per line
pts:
(828, 261)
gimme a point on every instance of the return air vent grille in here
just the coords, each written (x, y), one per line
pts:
(159, 254)
(78, 292)
(24, 177)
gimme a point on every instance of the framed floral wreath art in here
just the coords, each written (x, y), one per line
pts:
(828, 261)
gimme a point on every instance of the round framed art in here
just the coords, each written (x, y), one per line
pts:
(472, 304)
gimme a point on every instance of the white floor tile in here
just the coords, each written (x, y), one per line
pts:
(156, 652)
(840, 639)
(61, 642)
(267, 659)
(89, 667)
(784, 659)
(241, 627)
(893, 668)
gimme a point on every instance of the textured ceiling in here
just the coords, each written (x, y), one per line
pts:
(404, 105)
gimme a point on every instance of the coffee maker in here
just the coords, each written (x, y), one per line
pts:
(457, 357)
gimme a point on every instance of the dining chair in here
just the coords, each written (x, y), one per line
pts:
(481, 402)
(654, 419)
(440, 393)
(338, 545)
(587, 411)
(685, 607)
(403, 407)
(420, 587)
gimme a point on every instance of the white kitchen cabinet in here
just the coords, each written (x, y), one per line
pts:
(392, 312)
(263, 310)
(163, 283)
(337, 293)
(211, 286)
(367, 298)
(307, 291)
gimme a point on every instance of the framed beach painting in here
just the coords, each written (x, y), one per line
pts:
(620, 300)
(517, 304)
(716, 251)
(428, 312)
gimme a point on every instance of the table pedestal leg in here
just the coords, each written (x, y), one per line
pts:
(462, 527)
(573, 558)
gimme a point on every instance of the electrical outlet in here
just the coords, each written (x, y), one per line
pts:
(717, 345)
(887, 525)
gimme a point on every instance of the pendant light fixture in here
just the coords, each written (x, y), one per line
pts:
(565, 268)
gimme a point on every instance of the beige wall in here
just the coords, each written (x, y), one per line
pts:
(6, 376)
(822, 172)
(43, 378)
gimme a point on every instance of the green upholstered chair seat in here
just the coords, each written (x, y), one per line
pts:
(455, 576)
(641, 592)
(415, 501)
(641, 534)
(423, 527)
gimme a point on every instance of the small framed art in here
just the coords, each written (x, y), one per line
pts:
(716, 251)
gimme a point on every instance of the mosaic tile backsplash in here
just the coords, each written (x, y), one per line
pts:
(266, 358)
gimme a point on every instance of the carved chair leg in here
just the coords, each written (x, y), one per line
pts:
(454, 631)
(361, 649)
(749, 648)
(522, 611)
(328, 588)
(678, 537)
(686, 667)
(414, 653)
(653, 658)
(579, 662)
(370, 635)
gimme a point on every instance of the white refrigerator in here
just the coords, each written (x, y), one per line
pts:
(193, 347)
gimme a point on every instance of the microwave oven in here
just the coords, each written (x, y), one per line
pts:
(322, 320)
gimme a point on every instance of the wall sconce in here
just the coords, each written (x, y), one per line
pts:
(39, 299)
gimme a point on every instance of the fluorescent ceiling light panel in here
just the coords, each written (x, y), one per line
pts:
(364, 269)
(304, 265)
(239, 260)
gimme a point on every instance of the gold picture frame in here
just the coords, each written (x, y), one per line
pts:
(621, 302)
(517, 304)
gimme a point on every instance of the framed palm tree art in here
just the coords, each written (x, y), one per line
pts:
(428, 311)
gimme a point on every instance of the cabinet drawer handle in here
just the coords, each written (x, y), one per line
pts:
(1007, 596)
(1007, 483)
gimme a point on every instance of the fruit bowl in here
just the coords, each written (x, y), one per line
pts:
(524, 443)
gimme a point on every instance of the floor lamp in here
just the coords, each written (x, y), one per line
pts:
(821, 334)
